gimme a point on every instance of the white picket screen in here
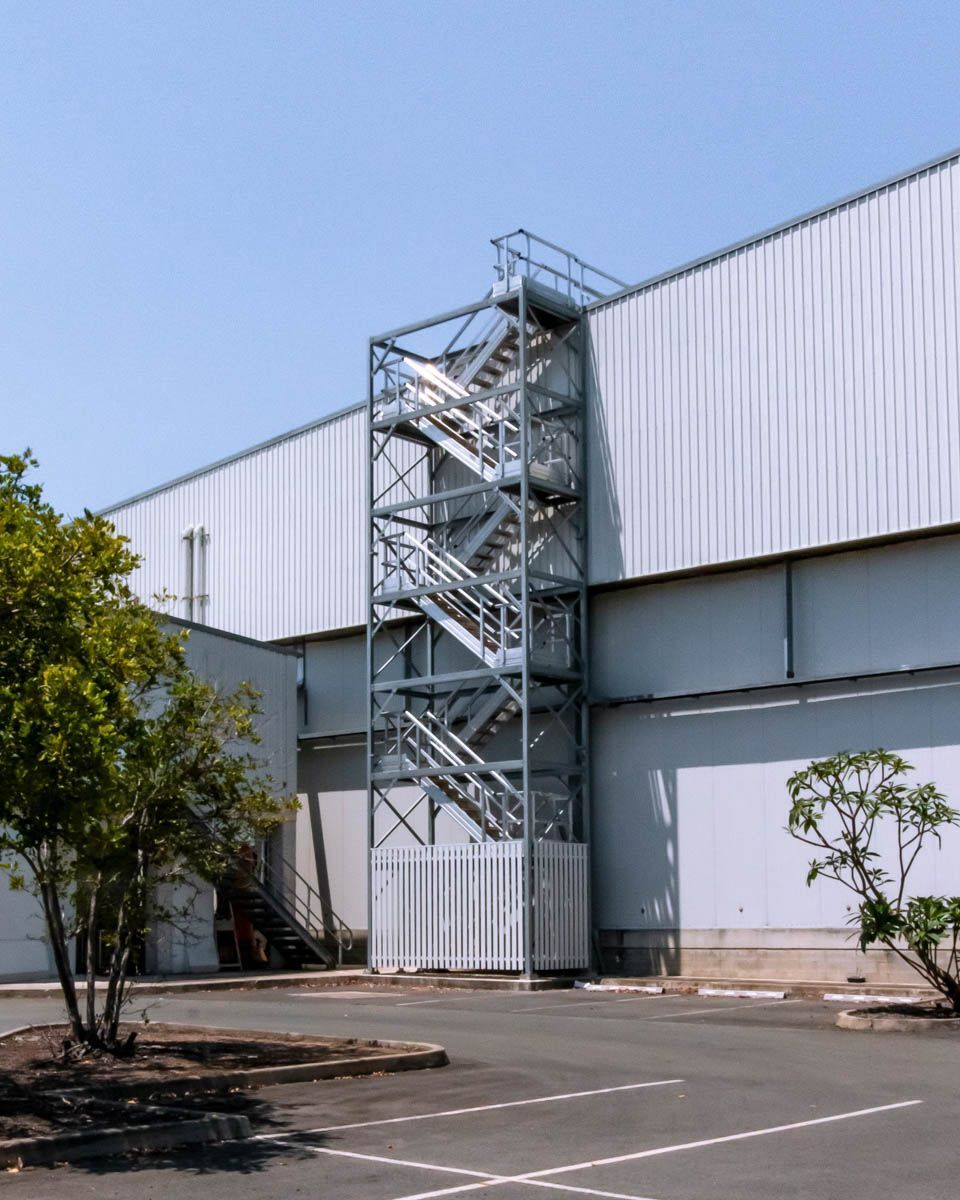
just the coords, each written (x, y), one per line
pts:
(460, 907)
(561, 938)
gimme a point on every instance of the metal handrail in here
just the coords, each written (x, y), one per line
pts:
(572, 272)
(312, 913)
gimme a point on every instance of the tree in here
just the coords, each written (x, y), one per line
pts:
(120, 771)
(845, 806)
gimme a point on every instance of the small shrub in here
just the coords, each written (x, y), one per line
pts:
(841, 806)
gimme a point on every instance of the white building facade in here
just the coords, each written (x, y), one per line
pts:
(773, 548)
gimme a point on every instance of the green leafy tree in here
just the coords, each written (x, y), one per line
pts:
(120, 771)
(849, 805)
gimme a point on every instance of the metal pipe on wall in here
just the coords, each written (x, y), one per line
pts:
(187, 538)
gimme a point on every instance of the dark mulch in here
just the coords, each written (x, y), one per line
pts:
(929, 1012)
(34, 1075)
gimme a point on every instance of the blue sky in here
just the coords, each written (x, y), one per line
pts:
(206, 208)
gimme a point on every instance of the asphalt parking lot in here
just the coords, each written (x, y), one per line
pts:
(604, 1095)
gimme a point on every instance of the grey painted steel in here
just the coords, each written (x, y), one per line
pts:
(285, 528)
(477, 699)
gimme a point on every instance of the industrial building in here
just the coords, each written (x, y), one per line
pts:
(589, 573)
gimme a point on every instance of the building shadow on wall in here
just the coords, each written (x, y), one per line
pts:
(605, 522)
(320, 859)
(636, 868)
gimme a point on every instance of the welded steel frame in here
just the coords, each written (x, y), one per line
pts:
(545, 679)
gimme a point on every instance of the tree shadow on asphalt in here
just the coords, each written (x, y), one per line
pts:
(244, 1156)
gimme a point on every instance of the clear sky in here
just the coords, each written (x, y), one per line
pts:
(207, 207)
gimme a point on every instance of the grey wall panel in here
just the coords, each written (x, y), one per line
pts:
(690, 801)
(24, 950)
(881, 609)
(799, 391)
(335, 679)
(226, 662)
(721, 631)
(332, 828)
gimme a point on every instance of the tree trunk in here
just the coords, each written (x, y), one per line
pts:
(115, 985)
(61, 957)
(92, 938)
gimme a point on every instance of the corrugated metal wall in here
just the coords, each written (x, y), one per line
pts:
(287, 534)
(800, 391)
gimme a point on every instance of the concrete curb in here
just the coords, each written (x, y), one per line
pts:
(426, 1056)
(867, 1022)
(100, 1143)
(307, 980)
(802, 989)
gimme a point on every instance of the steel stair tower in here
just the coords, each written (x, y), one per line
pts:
(476, 636)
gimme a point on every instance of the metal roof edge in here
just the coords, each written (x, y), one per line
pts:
(782, 227)
(230, 458)
(199, 627)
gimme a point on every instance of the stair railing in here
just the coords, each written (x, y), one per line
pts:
(487, 616)
(426, 739)
(303, 902)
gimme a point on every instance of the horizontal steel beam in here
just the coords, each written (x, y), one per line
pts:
(454, 314)
(481, 768)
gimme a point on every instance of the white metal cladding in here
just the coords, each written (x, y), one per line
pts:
(285, 524)
(799, 391)
(461, 907)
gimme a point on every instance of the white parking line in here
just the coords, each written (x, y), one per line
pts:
(581, 1003)
(540, 1178)
(730, 1137)
(496, 1180)
(484, 1180)
(337, 994)
(700, 1012)
(459, 1112)
(413, 1003)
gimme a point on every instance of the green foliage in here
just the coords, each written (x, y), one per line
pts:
(842, 806)
(119, 770)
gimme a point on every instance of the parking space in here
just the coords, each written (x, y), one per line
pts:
(637, 1097)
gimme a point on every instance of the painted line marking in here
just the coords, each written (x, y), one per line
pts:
(459, 1112)
(862, 998)
(484, 1180)
(717, 1141)
(397, 1162)
(648, 989)
(496, 1181)
(741, 993)
(414, 1003)
(540, 1178)
(703, 1012)
(582, 1003)
(323, 994)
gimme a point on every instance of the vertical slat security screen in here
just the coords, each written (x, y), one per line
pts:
(460, 907)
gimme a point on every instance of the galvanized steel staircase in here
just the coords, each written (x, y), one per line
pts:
(476, 622)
